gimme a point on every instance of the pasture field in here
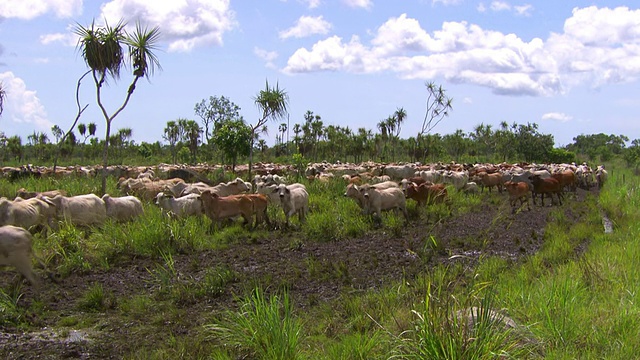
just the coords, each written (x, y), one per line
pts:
(462, 280)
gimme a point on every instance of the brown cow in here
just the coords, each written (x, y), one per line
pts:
(218, 208)
(518, 191)
(545, 186)
(566, 178)
(491, 180)
(426, 194)
(260, 204)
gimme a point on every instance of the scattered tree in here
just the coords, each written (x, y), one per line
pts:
(233, 137)
(102, 50)
(438, 107)
(273, 104)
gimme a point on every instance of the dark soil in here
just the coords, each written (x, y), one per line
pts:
(315, 272)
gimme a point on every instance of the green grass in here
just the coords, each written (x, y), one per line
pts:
(575, 298)
(264, 327)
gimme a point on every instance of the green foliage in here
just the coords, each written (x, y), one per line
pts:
(447, 327)
(264, 327)
(96, 299)
(10, 312)
(233, 138)
(560, 156)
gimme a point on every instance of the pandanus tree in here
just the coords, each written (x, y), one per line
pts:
(107, 50)
(3, 96)
(273, 104)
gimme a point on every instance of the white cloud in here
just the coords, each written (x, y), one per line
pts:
(306, 26)
(268, 56)
(22, 105)
(481, 8)
(67, 39)
(29, 9)
(312, 4)
(598, 47)
(523, 10)
(184, 24)
(446, 2)
(500, 6)
(555, 116)
(365, 4)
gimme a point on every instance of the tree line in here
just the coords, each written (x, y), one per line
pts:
(225, 136)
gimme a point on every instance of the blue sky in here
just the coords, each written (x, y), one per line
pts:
(572, 67)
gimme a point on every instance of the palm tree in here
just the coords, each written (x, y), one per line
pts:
(103, 51)
(273, 103)
(3, 97)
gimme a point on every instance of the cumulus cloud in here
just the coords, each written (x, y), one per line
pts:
(306, 26)
(523, 10)
(446, 2)
(312, 4)
(365, 4)
(555, 116)
(268, 56)
(184, 24)
(30, 9)
(500, 6)
(67, 39)
(597, 47)
(22, 105)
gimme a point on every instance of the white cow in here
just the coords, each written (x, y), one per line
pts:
(15, 250)
(294, 201)
(27, 213)
(82, 210)
(188, 205)
(378, 200)
(124, 208)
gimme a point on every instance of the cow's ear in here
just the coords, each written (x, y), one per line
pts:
(287, 190)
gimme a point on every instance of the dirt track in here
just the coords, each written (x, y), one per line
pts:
(361, 263)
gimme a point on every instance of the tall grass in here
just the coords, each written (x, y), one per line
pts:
(264, 327)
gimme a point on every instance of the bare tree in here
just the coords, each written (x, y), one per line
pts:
(438, 107)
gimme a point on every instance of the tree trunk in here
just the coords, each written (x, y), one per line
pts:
(105, 158)
(251, 151)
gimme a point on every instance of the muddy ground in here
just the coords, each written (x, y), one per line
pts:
(314, 272)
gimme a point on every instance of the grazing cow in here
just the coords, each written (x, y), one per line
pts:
(81, 210)
(24, 194)
(353, 191)
(471, 188)
(456, 178)
(491, 180)
(567, 179)
(601, 176)
(260, 204)
(427, 194)
(15, 250)
(234, 187)
(124, 208)
(294, 201)
(189, 205)
(378, 200)
(27, 213)
(417, 180)
(218, 208)
(432, 176)
(518, 191)
(545, 186)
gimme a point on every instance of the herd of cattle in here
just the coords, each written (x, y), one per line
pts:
(375, 188)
